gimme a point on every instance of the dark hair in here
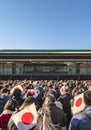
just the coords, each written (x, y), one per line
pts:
(17, 93)
(50, 86)
(87, 97)
(11, 104)
(51, 97)
(4, 90)
(52, 92)
(29, 100)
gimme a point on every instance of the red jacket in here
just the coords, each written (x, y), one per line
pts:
(4, 118)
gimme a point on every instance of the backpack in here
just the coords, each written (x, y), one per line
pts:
(44, 121)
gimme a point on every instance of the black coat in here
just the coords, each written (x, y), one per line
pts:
(65, 100)
(57, 115)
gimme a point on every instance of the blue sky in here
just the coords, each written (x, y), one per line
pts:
(45, 24)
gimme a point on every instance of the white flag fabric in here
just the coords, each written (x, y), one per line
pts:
(16, 87)
(26, 118)
(78, 104)
(62, 90)
(34, 93)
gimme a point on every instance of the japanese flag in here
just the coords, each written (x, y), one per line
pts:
(78, 104)
(62, 90)
(26, 118)
(34, 93)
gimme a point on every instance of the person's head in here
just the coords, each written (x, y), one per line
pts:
(1, 89)
(87, 97)
(5, 91)
(17, 93)
(28, 101)
(11, 104)
(49, 99)
(51, 92)
(50, 87)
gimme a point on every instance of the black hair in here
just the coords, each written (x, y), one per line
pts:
(87, 97)
(5, 90)
(29, 100)
(51, 97)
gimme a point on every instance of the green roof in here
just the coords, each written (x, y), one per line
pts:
(10, 51)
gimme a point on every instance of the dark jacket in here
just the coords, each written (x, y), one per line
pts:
(3, 101)
(57, 115)
(65, 100)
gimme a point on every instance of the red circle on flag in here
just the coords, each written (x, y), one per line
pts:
(32, 92)
(27, 118)
(62, 89)
(78, 102)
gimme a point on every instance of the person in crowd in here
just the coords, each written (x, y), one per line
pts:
(39, 98)
(55, 115)
(82, 120)
(28, 101)
(65, 100)
(1, 90)
(4, 97)
(17, 94)
(10, 106)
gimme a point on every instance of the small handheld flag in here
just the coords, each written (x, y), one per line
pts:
(26, 118)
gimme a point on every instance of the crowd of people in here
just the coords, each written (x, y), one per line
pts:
(53, 100)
